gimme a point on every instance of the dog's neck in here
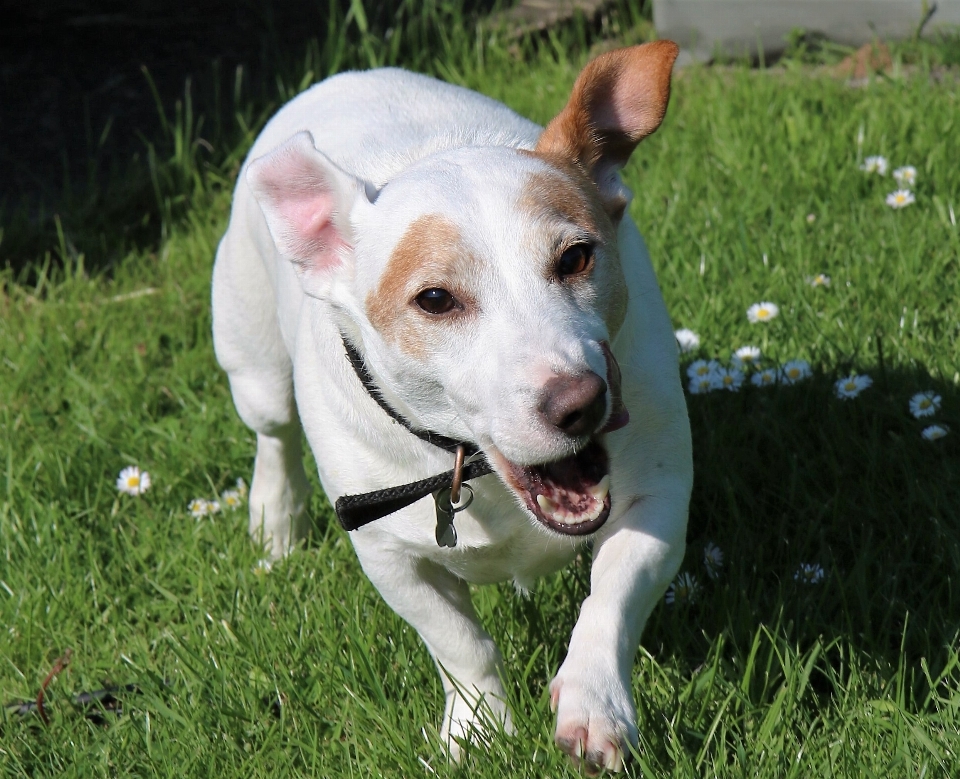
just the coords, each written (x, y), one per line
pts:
(437, 439)
(355, 511)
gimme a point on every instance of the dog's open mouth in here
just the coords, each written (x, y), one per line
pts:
(570, 496)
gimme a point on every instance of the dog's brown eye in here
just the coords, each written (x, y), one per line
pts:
(575, 260)
(436, 301)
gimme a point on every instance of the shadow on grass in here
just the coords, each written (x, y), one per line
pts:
(788, 476)
(793, 476)
(119, 117)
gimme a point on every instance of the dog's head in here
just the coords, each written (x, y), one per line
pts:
(484, 284)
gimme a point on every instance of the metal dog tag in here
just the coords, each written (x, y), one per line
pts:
(446, 532)
(446, 511)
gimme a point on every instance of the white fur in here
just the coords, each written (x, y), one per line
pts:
(394, 146)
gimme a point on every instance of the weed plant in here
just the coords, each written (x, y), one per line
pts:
(303, 670)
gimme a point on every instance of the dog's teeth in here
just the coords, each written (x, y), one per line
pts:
(547, 506)
(557, 513)
(602, 489)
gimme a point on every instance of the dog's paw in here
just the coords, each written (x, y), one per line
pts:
(596, 720)
(466, 721)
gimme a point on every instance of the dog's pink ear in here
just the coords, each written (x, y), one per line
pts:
(306, 200)
(618, 100)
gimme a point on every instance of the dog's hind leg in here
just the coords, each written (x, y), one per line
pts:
(251, 349)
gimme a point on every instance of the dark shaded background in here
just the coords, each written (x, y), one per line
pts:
(89, 166)
(70, 68)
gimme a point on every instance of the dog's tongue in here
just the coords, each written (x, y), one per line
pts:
(570, 496)
(619, 415)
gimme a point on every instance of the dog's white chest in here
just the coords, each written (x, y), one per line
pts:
(497, 543)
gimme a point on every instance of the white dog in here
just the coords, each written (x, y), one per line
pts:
(411, 269)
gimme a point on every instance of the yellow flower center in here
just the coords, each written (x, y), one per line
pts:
(728, 379)
(133, 481)
(925, 403)
(793, 373)
(850, 386)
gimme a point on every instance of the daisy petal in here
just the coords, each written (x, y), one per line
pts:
(925, 404)
(851, 386)
(133, 481)
(900, 199)
(935, 432)
(687, 340)
(762, 312)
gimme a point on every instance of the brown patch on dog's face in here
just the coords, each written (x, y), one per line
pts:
(613, 204)
(565, 195)
(431, 254)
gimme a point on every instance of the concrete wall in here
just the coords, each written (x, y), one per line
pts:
(740, 27)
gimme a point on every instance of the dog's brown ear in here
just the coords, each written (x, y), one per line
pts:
(619, 99)
(306, 200)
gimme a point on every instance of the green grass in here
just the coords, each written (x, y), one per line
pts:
(761, 676)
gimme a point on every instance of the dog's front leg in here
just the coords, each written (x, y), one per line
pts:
(437, 604)
(632, 566)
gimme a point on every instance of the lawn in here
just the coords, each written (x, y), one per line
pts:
(751, 188)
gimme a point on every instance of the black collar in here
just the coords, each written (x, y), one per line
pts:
(355, 511)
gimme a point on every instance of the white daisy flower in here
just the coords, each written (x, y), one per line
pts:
(700, 368)
(900, 199)
(764, 378)
(906, 176)
(811, 218)
(214, 506)
(925, 404)
(700, 385)
(851, 386)
(684, 589)
(133, 481)
(729, 379)
(935, 432)
(198, 508)
(794, 371)
(762, 312)
(242, 488)
(820, 280)
(687, 340)
(875, 164)
(746, 357)
(231, 499)
(809, 573)
(263, 566)
(712, 560)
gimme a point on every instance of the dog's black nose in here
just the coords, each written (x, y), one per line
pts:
(574, 404)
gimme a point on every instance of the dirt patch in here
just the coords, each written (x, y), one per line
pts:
(868, 60)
